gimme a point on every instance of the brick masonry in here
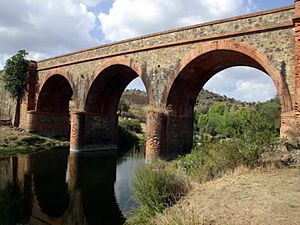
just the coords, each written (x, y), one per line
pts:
(166, 63)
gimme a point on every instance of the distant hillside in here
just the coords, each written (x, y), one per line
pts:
(204, 101)
(135, 97)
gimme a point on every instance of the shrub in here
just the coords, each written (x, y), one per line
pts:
(126, 139)
(211, 160)
(155, 188)
(132, 125)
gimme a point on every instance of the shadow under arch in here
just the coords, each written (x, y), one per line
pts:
(191, 74)
(53, 106)
(102, 100)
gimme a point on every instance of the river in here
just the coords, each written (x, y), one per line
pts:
(61, 188)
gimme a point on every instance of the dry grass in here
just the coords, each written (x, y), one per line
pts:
(157, 109)
(267, 196)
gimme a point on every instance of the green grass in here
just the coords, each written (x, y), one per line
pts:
(28, 144)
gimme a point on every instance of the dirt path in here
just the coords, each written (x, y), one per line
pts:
(247, 197)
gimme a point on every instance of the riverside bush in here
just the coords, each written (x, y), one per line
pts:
(132, 125)
(155, 188)
(126, 139)
(249, 135)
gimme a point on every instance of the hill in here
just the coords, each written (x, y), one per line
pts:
(137, 98)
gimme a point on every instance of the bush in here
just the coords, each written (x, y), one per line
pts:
(132, 125)
(250, 134)
(155, 188)
(225, 122)
(126, 139)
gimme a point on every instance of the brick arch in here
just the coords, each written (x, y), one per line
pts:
(52, 105)
(61, 72)
(102, 98)
(135, 66)
(258, 60)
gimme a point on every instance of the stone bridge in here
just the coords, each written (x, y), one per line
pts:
(79, 92)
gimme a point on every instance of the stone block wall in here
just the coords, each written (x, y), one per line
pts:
(53, 124)
(7, 104)
(100, 130)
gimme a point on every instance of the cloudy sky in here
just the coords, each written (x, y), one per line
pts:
(48, 28)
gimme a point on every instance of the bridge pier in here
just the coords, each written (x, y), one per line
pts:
(288, 123)
(77, 131)
(101, 132)
(93, 132)
(156, 130)
(168, 135)
(32, 121)
(179, 134)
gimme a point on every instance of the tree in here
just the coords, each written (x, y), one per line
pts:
(123, 107)
(15, 79)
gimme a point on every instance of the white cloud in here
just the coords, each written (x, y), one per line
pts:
(130, 18)
(45, 28)
(90, 2)
(244, 83)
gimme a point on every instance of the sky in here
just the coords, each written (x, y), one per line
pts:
(49, 28)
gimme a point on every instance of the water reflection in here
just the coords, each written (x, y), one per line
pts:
(62, 188)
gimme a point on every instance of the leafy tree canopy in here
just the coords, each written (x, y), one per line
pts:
(15, 74)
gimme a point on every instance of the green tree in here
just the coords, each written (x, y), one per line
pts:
(15, 79)
(217, 108)
(123, 107)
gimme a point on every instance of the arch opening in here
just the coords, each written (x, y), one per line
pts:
(190, 80)
(103, 98)
(53, 106)
(198, 72)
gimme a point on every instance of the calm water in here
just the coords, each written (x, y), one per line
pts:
(61, 188)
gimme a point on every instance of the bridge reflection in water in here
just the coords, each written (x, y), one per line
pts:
(59, 188)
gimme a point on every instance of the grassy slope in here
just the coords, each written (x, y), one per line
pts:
(266, 196)
(14, 141)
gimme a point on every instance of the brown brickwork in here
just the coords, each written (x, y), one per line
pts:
(32, 121)
(156, 130)
(77, 131)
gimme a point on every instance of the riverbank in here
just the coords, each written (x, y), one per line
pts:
(268, 196)
(266, 192)
(18, 141)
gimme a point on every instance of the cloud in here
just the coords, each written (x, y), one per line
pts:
(45, 28)
(90, 2)
(244, 83)
(130, 18)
